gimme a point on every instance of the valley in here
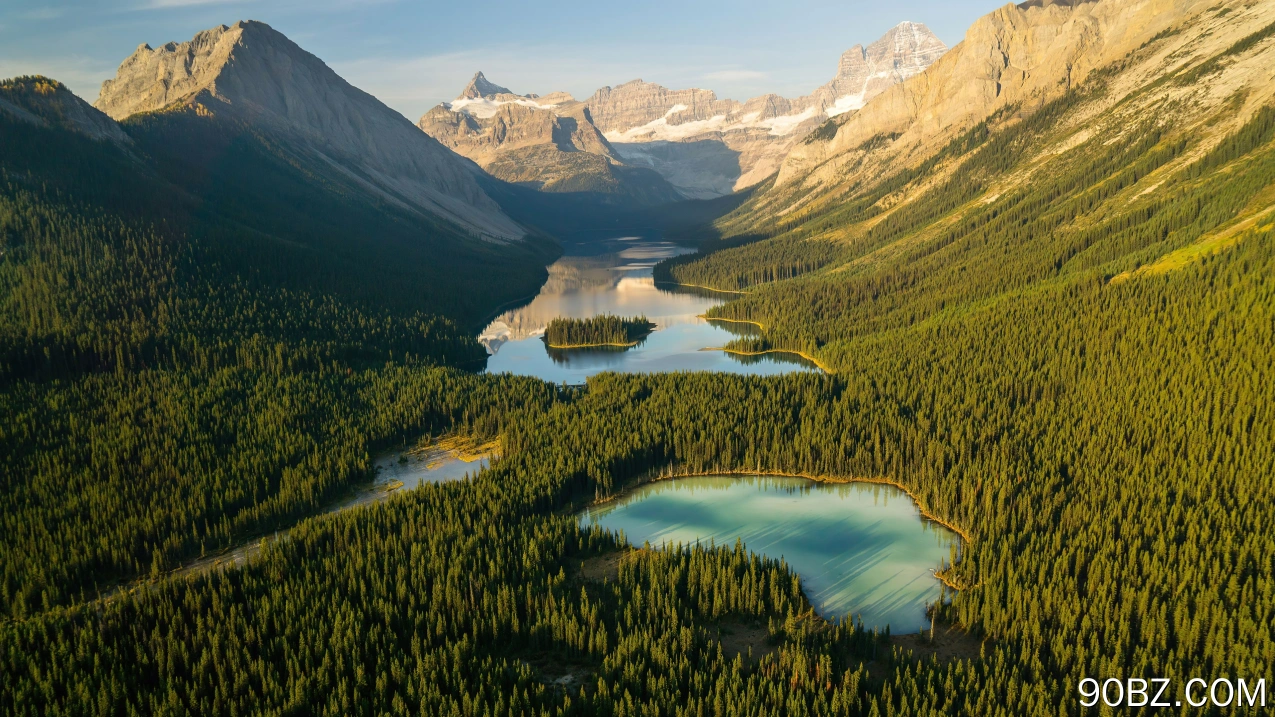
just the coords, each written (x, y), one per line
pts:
(937, 390)
(613, 276)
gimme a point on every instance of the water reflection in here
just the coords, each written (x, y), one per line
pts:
(591, 355)
(614, 277)
(861, 549)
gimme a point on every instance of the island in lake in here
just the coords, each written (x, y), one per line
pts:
(604, 330)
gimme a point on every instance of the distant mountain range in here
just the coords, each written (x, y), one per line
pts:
(549, 143)
(699, 145)
(635, 145)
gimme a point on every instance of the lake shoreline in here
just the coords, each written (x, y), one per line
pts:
(794, 352)
(701, 286)
(613, 344)
(758, 324)
(831, 547)
(613, 278)
(653, 478)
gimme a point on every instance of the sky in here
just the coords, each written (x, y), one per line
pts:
(413, 55)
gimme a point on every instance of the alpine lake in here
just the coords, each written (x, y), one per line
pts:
(614, 277)
(863, 550)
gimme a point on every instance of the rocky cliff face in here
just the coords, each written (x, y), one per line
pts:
(486, 120)
(865, 72)
(710, 147)
(550, 143)
(251, 73)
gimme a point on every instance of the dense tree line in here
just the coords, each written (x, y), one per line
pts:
(602, 330)
(1070, 431)
(171, 353)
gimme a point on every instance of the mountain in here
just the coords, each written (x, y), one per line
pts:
(865, 72)
(479, 88)
(549, 143)
(644, 140)
(709, 147)
(1060, 141)
(1013, 62)
(1040, 278)
(207, 287)
(48, 103)
(254, 75)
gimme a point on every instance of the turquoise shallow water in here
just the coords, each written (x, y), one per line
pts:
(861, 549)
(614, 277)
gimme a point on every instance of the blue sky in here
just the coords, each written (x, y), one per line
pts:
(413, 55)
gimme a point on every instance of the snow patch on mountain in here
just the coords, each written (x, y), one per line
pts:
(661, 130)
(485, 108)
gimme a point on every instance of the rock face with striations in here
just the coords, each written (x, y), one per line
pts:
(865, 72)
(709, 147)
(549, 143)
(250, 72)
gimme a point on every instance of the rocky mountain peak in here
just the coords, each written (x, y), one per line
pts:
(255, 75)
(481, 88)
(904, 51)
(1017, 55)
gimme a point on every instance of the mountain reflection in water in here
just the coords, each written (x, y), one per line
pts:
(614, 277)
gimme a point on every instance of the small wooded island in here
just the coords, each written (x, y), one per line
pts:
(604, 330)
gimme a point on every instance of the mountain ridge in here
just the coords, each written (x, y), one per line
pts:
(255, 74)
(702, 145)
(43, 101)
(550, 144)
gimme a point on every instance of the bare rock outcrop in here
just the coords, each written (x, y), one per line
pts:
(703, 146)
(254, 74)
(865, 72)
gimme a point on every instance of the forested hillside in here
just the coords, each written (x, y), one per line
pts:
(1055, 331)
(187, 322)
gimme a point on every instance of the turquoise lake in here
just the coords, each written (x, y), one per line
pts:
(861, 549)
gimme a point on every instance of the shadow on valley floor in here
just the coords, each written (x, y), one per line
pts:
(573, 216)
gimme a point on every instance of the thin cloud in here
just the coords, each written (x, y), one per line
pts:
(736, 75)
(46, 13)
(326, 6)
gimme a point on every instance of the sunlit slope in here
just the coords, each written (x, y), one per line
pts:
(1075, 303)
(1148, 157)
